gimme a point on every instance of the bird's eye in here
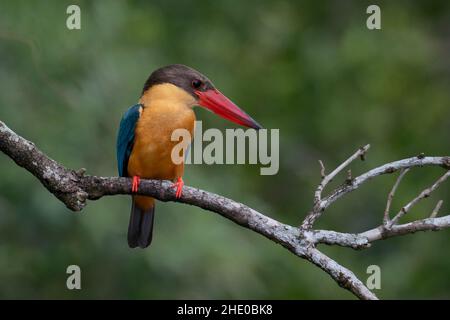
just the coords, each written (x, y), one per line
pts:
(196, 84)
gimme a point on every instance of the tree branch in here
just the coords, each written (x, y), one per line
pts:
(319, 204)
(74, 188)
(424, 194)
(386, 218)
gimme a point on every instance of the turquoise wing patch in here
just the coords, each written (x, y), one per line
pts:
(125, 138)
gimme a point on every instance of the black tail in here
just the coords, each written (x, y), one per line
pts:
(140, 229)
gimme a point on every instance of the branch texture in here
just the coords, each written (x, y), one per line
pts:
(74, 188)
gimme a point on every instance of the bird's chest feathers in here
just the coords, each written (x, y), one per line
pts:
(151, 155)
(155, 127)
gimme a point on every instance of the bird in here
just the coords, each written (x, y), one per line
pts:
(144, 141)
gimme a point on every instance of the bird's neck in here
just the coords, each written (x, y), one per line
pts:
(166, 94)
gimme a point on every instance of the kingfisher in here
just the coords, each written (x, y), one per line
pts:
(144, 144)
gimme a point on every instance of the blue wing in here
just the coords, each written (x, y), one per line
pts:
(125, 138)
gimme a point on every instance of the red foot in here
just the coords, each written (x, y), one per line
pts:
(135, 185)
(179, 185)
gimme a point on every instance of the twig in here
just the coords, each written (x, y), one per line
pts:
(322, 169)
(424, 194)
(388, 168)
(319, 205)
(364, 239)
(435, 211)
(391, 195)
(429, 224)
(327, 179)
(349, 177)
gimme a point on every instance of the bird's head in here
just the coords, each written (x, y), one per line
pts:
(203, 92)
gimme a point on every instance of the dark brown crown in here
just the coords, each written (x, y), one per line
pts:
(181, 76)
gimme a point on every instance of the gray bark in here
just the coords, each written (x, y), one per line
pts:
(74, 188)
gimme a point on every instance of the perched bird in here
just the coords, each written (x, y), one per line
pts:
(144, 143)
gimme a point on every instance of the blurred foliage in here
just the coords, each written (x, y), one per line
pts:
(311, 69)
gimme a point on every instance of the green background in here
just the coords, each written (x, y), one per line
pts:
(310, 68)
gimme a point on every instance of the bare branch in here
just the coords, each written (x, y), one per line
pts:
(74, 188)
(435, 211)
(363, 240)
(329, 237)
(429, 224)
(322, 169)
(349, 176)
(344, 277)
(328, 178)
(424, 194)
(381, 170)
(319, 204)
(391, 195)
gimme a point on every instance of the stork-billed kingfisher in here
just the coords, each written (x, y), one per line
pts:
(144, 144)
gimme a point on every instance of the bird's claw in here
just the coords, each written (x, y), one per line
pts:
(179, 185)
(135, 185)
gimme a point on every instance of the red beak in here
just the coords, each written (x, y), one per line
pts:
(215, 101)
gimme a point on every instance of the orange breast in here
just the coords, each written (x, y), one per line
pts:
(163, 112)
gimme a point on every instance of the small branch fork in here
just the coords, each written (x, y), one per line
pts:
(424, 194)
(74, 188)
(319, 204)
(391, 195)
